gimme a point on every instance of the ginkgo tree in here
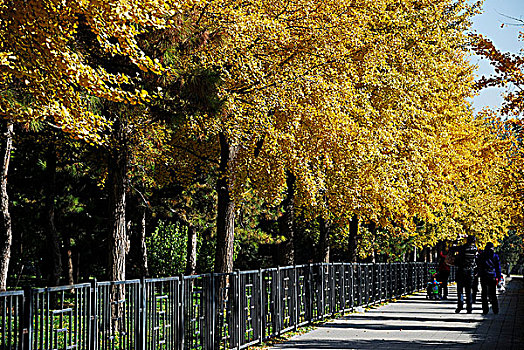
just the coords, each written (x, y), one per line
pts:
(51, 71)
(509, 75)
(381, 134)
(359, 101)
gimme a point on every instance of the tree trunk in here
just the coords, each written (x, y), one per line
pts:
(144, 268)
(191, 250)
(287, 222)
(373, 230)
(77, 274)
(324, 248)
(52, 233)
(353, 235)
(225, 210)
(6, 234)
(191, 247)
(119, 242)
(70, 267)
(225, 228)
(425, 254)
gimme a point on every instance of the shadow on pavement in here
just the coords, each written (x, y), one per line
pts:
(372, 344)
(419, 323)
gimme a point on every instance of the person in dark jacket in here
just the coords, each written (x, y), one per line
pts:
(489, 271)
(465, 261)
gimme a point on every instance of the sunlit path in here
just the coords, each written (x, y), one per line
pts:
(415, 322)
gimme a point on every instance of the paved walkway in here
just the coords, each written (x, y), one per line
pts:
(418, 323)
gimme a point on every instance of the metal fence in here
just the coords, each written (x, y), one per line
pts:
(211, 311)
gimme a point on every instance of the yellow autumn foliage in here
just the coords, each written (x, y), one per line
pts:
(41, 61)
(364, 101)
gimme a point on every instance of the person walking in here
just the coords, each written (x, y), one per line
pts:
(489, 270)
(465, 261)
(443, 275)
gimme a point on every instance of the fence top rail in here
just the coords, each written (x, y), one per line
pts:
(11, 293)
(62, 288)
(113, 283)
(207, 275)
(271, 269)
(194, 277)
(161, 279)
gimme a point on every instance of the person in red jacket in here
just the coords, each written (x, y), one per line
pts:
(443, 275)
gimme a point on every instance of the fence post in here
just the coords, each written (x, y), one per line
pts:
(27, 325)
(352, 282)
(261, 316)
(181, 308)
(404, 278)
(332, 289)
(343, 289)
(278, 303)
(390, 281)
(142, 332)
(295, 297)
(369, 284)
(372, 289)
(310, 293)
(359, 279)
(380, 282)
(212, 315)
(336, 289)
(93, 336)
(409, 277)
(417, 282)
(321, 297)
(239, 308)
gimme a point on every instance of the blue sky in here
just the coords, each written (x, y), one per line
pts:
(495, 13)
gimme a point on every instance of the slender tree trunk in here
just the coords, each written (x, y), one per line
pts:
(6, 234)
(353, 236)
(373, 231)
(191, 247)
(324, 248)
(425, 254)
(70, 265)
(225, 209)
(225, 226)
(119, 242)
(287, 223)
(144, 268)
(52, 233)
(77, 270)
(191, 255)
